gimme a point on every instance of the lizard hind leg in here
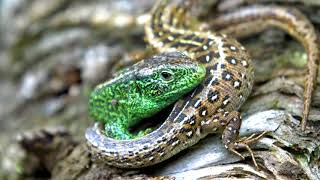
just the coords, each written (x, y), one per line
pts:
(254, 19)
(230, 136)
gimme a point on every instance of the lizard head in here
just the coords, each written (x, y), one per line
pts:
(166, 77)
(145, 88)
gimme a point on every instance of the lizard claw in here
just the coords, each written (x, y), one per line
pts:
(244, 143)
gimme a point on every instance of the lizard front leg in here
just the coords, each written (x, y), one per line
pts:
(119, 131)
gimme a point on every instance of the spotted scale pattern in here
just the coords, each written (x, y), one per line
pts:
(254, 19)
(211, 107)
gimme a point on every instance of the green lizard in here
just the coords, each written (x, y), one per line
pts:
(142, 90)
(213, 106)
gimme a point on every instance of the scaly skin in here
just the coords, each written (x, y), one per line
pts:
(231, 4)
(142, 90)
(290, 20)
(212, 106)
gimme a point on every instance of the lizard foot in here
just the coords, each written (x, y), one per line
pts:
(243, 143)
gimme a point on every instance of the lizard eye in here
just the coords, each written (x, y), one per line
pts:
(166, 75)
